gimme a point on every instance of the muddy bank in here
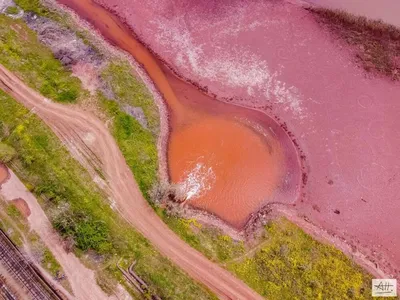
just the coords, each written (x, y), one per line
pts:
(238, 161)
(4, 175)
(22, 206)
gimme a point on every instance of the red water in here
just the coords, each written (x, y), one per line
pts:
(227, 160)
(274, 56)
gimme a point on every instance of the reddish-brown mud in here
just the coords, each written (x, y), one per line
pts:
(226, 160)
(3, 174)
(22, 206)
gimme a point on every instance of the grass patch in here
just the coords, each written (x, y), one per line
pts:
(292, 265)
(376, 44)
(66, 188)
(7, 214)
(38, 8)
(50, 263)
(215, 245)
(131, 91)
(7, 153)
(13, 211)
(137, 144)
(12, 10)
(22, 53)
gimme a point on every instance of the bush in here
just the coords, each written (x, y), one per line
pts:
(86, 232)
(12, 10)
(7, 153)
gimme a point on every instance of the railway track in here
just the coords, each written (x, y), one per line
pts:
(5, 292)
(24, 272)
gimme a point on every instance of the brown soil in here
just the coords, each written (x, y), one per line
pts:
(3, 174)
(22, 206)
(68, 123)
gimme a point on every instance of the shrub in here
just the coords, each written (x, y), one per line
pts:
(12, 10)
(87, 232)
(7, 153)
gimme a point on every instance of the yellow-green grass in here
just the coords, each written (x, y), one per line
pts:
(21, 52)
(292, 265)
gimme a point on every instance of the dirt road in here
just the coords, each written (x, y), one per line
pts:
(68, 122)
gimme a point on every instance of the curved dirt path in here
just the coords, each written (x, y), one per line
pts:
(69, 124)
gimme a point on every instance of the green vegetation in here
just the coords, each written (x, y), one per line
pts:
(376, 44)
(7, 214)
(13, 211)
(50, 263)
(21, 52)
(286, 264)
(210, 241)
(137, 144)
(12, 10)
(292, 265)
(87, 232)
(38, 8)
(7, 153)
(131, 91)
(66, 189)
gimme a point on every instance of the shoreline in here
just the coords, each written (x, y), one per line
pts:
(187, 212)
(108, 48)
(164, 135)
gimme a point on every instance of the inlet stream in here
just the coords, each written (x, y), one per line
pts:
(226, 160)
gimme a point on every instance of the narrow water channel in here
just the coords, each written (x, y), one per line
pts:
(228, 160)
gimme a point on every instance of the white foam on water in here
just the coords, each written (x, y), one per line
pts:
(197, 181)
(234, 67)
